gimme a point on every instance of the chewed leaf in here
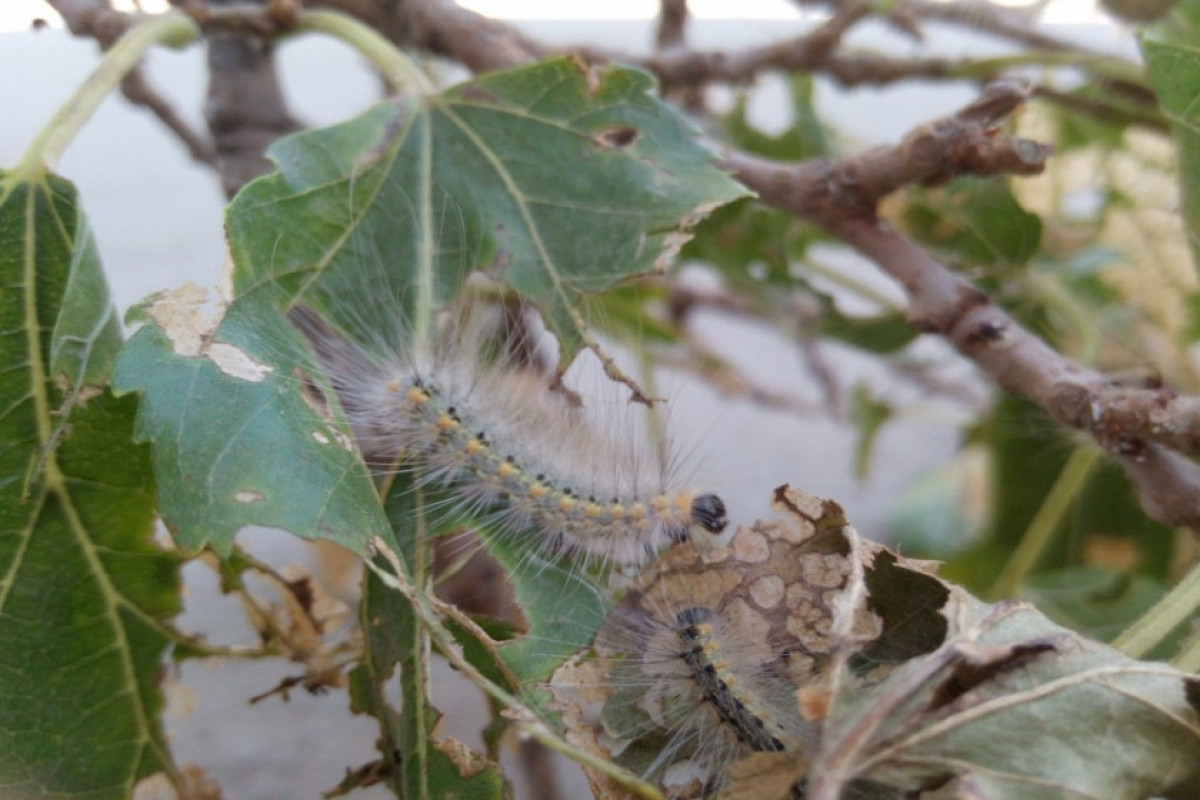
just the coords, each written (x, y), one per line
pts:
(235, 441)
(84, 592)
(1014, 707)
(555, 180)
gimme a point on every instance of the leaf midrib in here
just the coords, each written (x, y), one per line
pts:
(54, 481)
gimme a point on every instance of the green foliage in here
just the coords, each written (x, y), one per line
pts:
(566, 188)
(1173, 68)
(220, 433)
(83, 590)
(446, 184)
(976, 221)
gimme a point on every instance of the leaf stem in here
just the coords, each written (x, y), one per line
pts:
(1188, 659)
(172, 29)
(426, 610)
(397, 68)
(1158, 623)
(1041, 529)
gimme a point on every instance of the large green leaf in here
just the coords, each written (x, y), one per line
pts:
(556, 180)
(1098, 602)
(83, 590)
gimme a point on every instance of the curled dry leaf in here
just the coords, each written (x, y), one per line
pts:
(801, 658)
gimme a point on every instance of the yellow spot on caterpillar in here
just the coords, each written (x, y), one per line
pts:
(592, 510)
(566, 503)
(507, 470)
(537, 491)
(414, 395)
(474, 447)
(660, 503)
(638, 511)
(445, 422)
(617, 510)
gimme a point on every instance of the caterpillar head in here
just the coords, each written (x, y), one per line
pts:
(708, 511)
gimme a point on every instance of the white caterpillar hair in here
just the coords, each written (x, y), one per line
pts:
(505, 445)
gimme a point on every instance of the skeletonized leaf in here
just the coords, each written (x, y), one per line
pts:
(83, 591)
(1014, 707)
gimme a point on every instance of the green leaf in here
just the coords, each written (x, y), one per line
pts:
(1097, 602)
(1026, 463)
(976, 220)
(1171, 49)
(236, 442)
(419, 765)
(805, 138)
(869, 415)
(84, 593)
(556, 180)
(562, 607)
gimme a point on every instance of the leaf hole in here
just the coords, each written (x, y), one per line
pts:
(620, 136)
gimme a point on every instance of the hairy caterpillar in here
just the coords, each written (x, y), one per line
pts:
(508, 447)
(717, 654)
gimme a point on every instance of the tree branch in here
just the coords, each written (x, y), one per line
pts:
(841, 196)
(672, 20)
(245, 108)
(96, 20)
(139, 91)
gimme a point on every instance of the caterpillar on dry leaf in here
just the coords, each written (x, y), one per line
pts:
(718, 653)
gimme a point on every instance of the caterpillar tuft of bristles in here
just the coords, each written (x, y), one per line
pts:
(718, 654)
(510, 448)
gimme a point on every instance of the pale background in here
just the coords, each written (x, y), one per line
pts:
(157, 219)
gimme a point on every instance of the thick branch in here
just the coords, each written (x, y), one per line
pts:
(92, 19)
(1134, 425)
(245, 108)
(444, 28)
(672, 20)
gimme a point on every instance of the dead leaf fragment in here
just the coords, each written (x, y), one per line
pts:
(467, 760)
(181, 315)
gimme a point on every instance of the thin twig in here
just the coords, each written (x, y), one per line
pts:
(139, 91)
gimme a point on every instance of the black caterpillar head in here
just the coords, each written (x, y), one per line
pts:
(708, 511)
